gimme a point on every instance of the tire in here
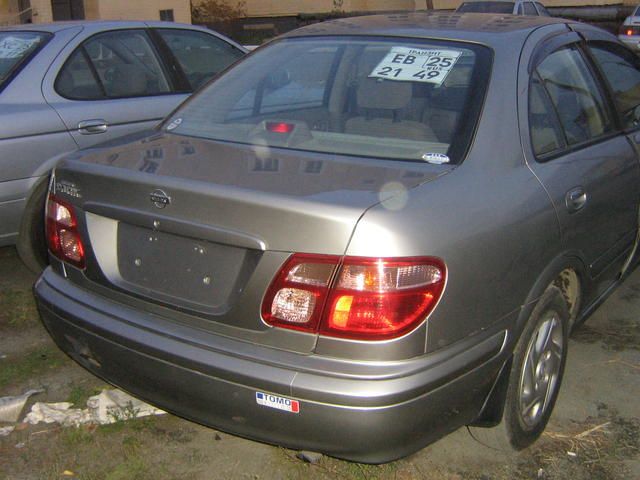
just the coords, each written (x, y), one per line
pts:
(31, 244)
(539, 360)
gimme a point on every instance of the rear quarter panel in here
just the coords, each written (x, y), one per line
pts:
(490, 220)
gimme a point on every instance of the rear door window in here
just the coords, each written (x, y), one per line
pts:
(621, 69)
(529, 9)
(116, 64)
(546, 132)
(575, 96)
(199, 55)
(15, 50)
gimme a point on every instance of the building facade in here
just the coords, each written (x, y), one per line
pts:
(43, 11)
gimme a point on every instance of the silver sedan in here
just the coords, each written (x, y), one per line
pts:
(65, 86)
(366, 234)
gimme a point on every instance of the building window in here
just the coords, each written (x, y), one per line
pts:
(166, 15)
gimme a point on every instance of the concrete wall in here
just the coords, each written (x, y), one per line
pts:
(142, 9)
(275, 8)
(108, 9)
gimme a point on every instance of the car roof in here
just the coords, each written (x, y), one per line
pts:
(484, 27)
(98, 24)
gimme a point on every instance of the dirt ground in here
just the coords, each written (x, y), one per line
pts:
(594, 432)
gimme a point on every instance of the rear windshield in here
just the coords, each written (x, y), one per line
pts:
(392, 99)
(486, 7)
(16, 48)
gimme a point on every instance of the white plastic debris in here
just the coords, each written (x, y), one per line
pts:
(107, 407)
(572, 454)
(11, 407)
(61, 413)
(4, 431)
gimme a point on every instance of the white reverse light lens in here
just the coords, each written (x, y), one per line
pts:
(378, 277)
(316, 274)
(293, 305)
(63, 216)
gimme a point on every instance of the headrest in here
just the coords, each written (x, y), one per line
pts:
(384, 94)
(128, 80)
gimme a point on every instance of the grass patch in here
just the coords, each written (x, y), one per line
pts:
(34, 363)
(133, 468)
(594, 449)
(17, 309)
(73, 437)
(79, 394)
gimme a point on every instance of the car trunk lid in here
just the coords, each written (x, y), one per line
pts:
(201, 227)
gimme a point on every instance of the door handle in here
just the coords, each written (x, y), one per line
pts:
(91, 127)
(575, 199)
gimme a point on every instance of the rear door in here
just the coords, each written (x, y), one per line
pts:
(620, 69)
(111, 84)
(582, 157)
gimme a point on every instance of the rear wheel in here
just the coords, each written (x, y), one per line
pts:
(31, 245)
(534, 382)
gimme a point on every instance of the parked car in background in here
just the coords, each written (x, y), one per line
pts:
(362, 236)
(72, 85)
(629, 32)
(517, 7)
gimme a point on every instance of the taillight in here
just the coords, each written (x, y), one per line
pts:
(297, 294)
(63, 237)
(280, 127)
(628, 30)
(356, 297)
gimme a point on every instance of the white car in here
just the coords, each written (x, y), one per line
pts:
(515, 7)
(629, 32)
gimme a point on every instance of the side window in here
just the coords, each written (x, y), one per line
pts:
(575, 95)
(622, 70)
(77, 81)
(199, 54)
(116, 64)
(546, 134)
(529, 9)
(303, 79)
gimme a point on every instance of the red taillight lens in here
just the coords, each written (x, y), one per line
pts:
(62, 232)
(628, 31)
(377, 299)
(359, 298)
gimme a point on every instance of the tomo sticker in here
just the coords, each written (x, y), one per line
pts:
(280, 403)
(438, 158)
(415, 65)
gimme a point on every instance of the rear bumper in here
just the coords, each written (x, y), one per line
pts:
(367, 412)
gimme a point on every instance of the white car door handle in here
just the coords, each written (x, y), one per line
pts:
(91, 127)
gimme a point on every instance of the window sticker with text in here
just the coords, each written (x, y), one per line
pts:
(416, 65)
